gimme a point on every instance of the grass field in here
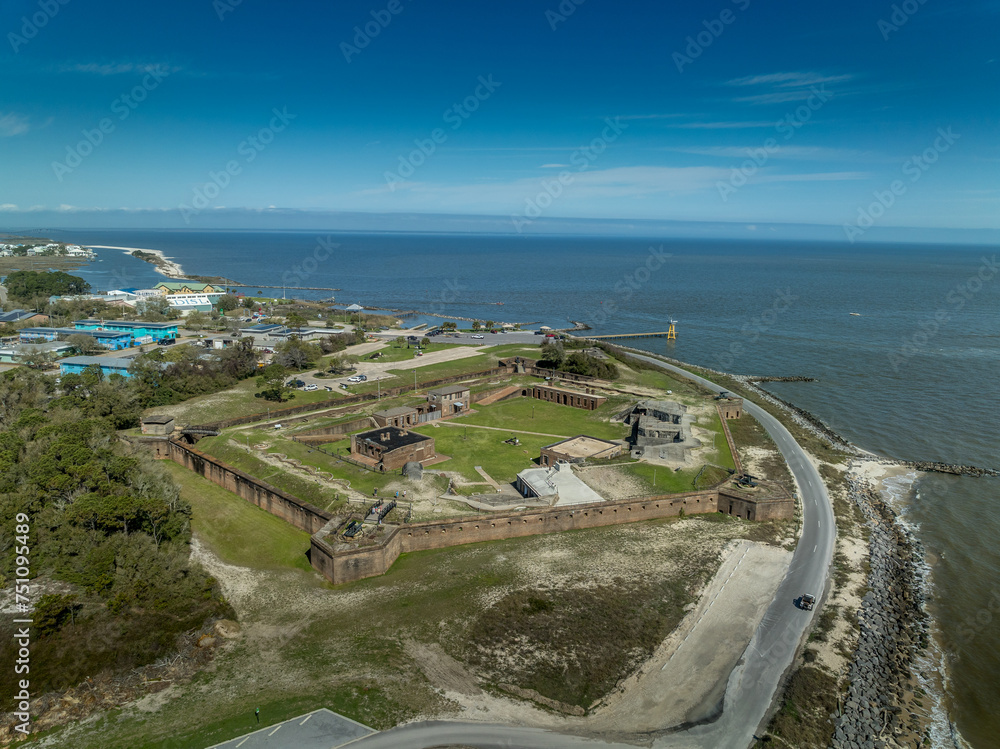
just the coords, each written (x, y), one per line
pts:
(237, 401)
(534, 415)
(469, 448)
(306, 490)
(239, 532)
(504, 350)
(392, 352)
(445, 369)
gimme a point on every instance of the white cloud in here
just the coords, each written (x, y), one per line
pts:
(814, 177)
(803, 153)
(8, 207)
(789, 79)
(722, 125)
(13, 124)
(555, 166)
(113, 68)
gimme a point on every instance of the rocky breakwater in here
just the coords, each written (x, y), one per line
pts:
(877, 710)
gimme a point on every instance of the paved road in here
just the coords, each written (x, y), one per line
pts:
(320, 729)
(752, 684)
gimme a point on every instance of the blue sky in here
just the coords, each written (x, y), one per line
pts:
(840, 114)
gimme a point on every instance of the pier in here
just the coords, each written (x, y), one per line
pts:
(671, 334)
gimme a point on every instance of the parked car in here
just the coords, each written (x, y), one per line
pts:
(294, 383)
(311, 387)
(357, 378)
(166, 341)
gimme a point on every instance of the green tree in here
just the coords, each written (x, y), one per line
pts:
(476, 325)
(489, 324)
(399, 341)
(196, 320)
(84, 344)
(425, 342)
(228, 302)
(553, 355)
(27, 284)
(35, 356)
(295, 321)
(271, 381)
(296, 354)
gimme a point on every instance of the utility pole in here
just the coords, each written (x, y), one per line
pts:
(654, 477)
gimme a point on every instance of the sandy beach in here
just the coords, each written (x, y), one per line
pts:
(164, 265)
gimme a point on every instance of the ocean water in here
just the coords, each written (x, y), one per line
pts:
(913, 375)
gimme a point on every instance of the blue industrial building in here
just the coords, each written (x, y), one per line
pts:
(108, 339)
(137, 330)
(109, 365)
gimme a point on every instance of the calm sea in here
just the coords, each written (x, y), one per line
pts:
(913, 375)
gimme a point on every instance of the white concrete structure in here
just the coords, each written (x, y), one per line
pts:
(557, 482)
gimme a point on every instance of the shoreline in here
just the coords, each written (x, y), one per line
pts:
(164, 265)
(903, 642)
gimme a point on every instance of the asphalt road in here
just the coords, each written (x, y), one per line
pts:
(752, 684)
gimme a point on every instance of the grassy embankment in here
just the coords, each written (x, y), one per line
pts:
(238, 532)
(238, 401)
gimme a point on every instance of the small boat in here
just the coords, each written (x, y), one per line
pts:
(855, 314)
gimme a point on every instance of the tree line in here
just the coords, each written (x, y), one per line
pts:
(106, 521)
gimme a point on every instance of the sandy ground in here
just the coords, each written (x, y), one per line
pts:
(684, 679)
(168, 267)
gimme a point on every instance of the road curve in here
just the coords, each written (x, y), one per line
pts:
(752, 684)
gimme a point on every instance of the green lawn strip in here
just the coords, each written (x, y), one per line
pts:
(307, 491)
(660, 380)
(444, 369)
(393, 353)
(235, 402)
(526, 350)
(533, 415)
(667, 480)
(472, 447)
(237, 531)
(723, 455)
